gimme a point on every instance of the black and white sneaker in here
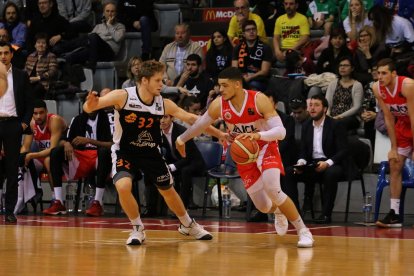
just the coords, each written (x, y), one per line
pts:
(391, 220)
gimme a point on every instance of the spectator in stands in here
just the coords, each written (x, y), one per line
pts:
(86, 150)
(323, 150)
(368, 53)
(369, 108)
(219, 55)
(48, 21)
(242, 14)
(296, 63)
(395, 31)
(403, 8)
(344, 7)
(4, 4)
(253, 58)
(329, 59)
(321, 15)
(102, 44)
(12, 23)
(291, 30)
(19, 55)
(345, 95)
(356, 19)
(195, 80)
(46, 131)
(132, 72)
(138, 15)
(41, 66)
(182, 169)
(77, 12)
(175, 53)
(269, 11)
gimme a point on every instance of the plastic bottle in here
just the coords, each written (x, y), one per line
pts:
(226, 202)
(70, 197)
(367, 208)
(88, 197)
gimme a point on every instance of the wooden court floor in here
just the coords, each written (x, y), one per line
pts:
(66, 245)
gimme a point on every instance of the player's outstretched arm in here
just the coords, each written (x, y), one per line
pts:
(116, 98)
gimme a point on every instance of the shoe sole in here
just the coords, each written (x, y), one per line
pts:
(135, 242)
(93, 215)
(383, 225)
(305, 245)
(56, 213)
(206, 237)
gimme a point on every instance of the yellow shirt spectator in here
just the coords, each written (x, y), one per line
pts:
(235, 32)
(291, 29)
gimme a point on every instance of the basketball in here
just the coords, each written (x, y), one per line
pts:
(244, 151)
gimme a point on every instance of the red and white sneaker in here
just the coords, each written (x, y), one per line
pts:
(56, 208)
(95, 210)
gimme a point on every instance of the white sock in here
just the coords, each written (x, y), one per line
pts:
(185, 220)
(53, 195)
(298, 224)
(58, 194)
(136, 222)
(99, 195)
(395, 205)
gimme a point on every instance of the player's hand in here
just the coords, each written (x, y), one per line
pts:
(322, 166)
(92, 100)
(80, 141)
(180, 149)
(393, 154)
(68, 151)
(251, 136)
(27, 159)
(183, 91)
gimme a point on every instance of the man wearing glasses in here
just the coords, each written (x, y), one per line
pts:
(241, 15)
(291, 30)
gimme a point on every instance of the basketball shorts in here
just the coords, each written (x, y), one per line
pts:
(269, 158)
(153, 167)
(83, 163)
(404, 137)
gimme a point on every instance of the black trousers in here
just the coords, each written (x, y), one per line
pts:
(57, 159)
(185, 179)
(328, 179)
(10, 138)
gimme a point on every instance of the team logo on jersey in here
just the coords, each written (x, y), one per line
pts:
(250, 111)
(131, 118)
(144, 140)
(227, 115)
(158, 107)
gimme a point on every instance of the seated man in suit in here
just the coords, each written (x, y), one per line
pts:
(183, 169)
(323, 150)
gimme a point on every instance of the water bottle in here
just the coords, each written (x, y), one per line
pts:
(70, 197)
(410, 167)
(367, 208)
(226, 202)
(2, 205)
(88, 197)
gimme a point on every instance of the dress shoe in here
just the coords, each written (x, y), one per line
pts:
(322, 219)
(10, 218)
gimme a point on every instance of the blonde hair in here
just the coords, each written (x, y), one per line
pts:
(363, 12)
(131, 62)
(371, 31)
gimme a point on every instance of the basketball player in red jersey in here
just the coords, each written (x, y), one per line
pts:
(250, 115)
(395, 95)
(47, 129)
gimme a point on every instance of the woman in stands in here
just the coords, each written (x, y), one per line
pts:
(345, 95)
(132, 72)
(368, 53)
(41, 66)
(329, 59)
(219, 55)
(356, 19)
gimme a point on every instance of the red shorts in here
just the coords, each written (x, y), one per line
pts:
(83, 164)
(269, 158)
(403, 134)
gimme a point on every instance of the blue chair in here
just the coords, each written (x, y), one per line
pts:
(383, 181)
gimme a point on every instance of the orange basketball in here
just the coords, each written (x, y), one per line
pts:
(244, 151)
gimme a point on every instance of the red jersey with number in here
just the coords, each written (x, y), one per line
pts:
(249, 120)
(42, 136)
(397, 104)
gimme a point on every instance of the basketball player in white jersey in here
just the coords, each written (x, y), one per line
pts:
(137, 137)
(250, 115)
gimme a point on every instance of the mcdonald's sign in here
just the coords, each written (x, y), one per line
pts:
(218, 14)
